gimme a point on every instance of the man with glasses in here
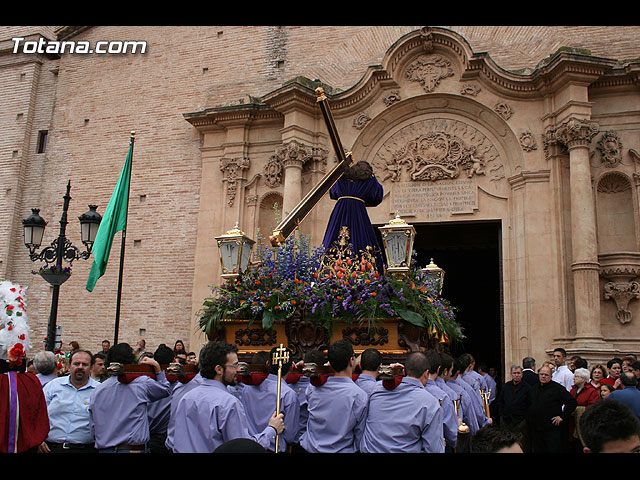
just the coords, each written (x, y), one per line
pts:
(209, 416)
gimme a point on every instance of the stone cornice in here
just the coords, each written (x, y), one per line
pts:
(222, 117)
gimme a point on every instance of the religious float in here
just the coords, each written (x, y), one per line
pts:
(306, 297)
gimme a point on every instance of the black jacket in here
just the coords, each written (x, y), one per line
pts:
(514, 401)
(547, 400)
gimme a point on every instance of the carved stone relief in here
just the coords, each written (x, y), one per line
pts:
(429, 70)
(293, 153)
(527, 141)
(470, 89)
(273, 172)
(390, 99)
(504, 110)
(433, 150)
(610, 148)
(622, 293)
(233, 170)
(361, 120)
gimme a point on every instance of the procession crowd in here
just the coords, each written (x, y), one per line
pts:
(432, 403)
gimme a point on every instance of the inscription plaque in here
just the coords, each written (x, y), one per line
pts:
(434, 200)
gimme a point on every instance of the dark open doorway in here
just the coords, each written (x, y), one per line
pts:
(470, 254)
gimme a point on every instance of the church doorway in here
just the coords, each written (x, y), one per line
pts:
(470, 254)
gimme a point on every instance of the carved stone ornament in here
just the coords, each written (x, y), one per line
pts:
(469, 89)
(622, 293)
(428, 70)
(574, 132)
(610, 148)
(392, 98)
(504, 110)
(361, 120)
(273, 172)
(293, 153)
(527, 141)
(233, 170)
(434, 149)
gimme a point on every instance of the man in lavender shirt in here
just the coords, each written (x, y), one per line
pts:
(119, 410)
(407, 418)
(209, 415)
(369, 361)
(259, 402)
(338, 408)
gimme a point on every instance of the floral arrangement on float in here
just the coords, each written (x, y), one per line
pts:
(14, 328)
(296, 277)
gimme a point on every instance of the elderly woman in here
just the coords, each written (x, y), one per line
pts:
(586, 395)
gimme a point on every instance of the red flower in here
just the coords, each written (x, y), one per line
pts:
(21, 336)
(9, 307)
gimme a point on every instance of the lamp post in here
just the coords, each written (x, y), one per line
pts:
(59, 250)
(235, 253)
(398, 237)
(436, 273)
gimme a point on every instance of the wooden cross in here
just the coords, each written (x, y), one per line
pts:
(299, 213)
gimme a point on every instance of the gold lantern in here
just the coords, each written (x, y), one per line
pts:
(235, 252)
(435, 273)
(398, 237)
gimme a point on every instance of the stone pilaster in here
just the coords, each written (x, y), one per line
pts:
(293, 156)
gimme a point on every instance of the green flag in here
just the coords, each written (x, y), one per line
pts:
(113, 220)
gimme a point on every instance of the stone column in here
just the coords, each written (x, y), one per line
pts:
(293, 155)
(576, 135)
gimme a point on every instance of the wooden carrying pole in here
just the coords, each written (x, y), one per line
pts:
(299, 213)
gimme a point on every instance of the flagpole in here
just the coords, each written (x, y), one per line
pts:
(124, 237)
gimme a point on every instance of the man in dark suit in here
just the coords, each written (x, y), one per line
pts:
(513, 404)
(529, 374)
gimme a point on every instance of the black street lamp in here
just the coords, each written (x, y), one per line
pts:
(59, 250)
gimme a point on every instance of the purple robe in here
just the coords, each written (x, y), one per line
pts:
(353, 197)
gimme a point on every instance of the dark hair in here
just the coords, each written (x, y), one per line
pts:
(315, 356)
(628, 379)
(96, 356)
(80, 350)
(561, 350)
(613, 361)
(447, 362)
(416, 364)
(435, 360)
(358, 171)
(163, 355)
(370, 359)
(605, 421)
(528, 362)
(580, 362)
(260, 358)
(339, 354)
(491, 438)
(212, 355)
(464, 361)
(121, 353)
(273, 367)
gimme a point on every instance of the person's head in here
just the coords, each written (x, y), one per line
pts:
(628, 379)
(447, 365)
(144, 355)
(370, 360)
(417, 365)
(544, 374)
(635, 368)
(260, 358)
(121, 353)
(435, 362)
(106, 345)
(457, 368)
(191, 358)
(483, 368)
(559, 356)
(98, 367)
(581, 376)
(358, 171)
(141, 344)
(286, 365)
(614, 367)
(606, 390)
(465, 360)
(314, 356)
(529, 362)
(516, 374)
(341, 356)
(627, 360)
(219, 361)
(609, 426)
(178, 346)
(598, 372)
(493, 439)
(73, 345)
(45, 362)
(163, 355)
(579, 362)
(79, 367)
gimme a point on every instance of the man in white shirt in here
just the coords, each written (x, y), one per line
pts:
(562, 374)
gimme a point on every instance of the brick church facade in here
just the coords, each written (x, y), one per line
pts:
(514, 151)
